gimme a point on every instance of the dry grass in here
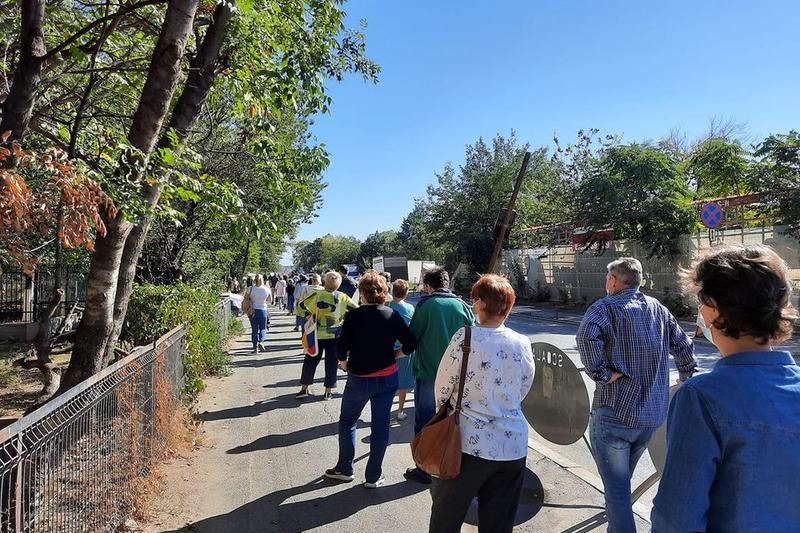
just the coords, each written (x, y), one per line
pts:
(176, 430)
(19, 387)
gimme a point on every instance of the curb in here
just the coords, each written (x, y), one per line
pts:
(639, 509)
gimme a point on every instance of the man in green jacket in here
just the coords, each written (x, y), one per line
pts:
(436, 319)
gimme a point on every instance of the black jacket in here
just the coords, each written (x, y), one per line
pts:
(367, 338)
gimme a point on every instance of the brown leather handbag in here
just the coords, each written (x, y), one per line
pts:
(437, 447)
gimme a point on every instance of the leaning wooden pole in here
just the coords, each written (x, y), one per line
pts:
(506, 222)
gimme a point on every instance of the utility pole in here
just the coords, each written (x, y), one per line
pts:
(507, 215)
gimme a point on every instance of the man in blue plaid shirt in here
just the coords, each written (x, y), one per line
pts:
(625, 340)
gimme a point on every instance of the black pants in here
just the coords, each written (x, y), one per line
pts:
(327, 348)
(497, 484)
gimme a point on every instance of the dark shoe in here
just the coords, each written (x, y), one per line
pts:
(332, 473)
(415, 474)
(302, 395)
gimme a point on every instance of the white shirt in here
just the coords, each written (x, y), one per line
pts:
(298, 290)
(499, 375)
(280, 288)
(259, 296)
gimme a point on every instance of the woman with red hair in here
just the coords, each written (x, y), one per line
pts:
(494, 432)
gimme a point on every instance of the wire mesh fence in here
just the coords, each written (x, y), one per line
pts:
(223, 311)
(73, 465)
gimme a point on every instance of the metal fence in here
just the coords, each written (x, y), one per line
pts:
(73, 465)
(23, 297)
(223, 312)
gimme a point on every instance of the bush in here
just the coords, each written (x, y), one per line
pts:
(676, 304)
(156, 309)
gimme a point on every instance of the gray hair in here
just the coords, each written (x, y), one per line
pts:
(332, 281)
(627, 270)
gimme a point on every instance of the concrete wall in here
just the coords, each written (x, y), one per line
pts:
(563, 274)
(19, 331)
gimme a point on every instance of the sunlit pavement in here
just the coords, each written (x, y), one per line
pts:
(262, 454)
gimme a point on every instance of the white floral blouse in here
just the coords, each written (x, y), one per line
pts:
(499, 375)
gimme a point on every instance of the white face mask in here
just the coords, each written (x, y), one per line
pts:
(704, 328)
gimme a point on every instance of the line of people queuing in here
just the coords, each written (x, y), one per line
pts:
(732, 433)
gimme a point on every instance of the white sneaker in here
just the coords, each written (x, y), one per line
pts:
(381, 481)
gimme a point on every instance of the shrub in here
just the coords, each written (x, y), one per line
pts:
(676, 304)
(156, 309)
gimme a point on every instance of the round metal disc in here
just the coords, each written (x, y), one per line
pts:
(658, 442)
(557, 406)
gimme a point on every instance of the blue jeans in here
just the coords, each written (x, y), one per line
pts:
(617, 448)
(258, 326)
(379, 392)
(424, 403)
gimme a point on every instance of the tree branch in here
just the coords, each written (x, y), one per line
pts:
(120, 13)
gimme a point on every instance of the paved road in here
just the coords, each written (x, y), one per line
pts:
(258, 467)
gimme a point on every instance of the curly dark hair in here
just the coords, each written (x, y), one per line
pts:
(749, 287)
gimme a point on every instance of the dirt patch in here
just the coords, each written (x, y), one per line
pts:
(19, 387)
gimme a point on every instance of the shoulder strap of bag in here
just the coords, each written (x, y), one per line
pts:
(466, 347)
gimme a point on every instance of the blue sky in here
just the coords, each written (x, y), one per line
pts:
(455, 71)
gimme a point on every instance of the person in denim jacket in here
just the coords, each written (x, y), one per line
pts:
(733, 434)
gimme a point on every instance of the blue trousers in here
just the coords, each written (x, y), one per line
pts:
(424, 403)
(617, 448)
(379, 392)
(258, 326)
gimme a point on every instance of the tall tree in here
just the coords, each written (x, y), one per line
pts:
(638, 191)
(415, 238)
(98, 319)
(202, 72)
(719, 167)
(378, 243)
(18, 105)
(777, 168)
(463, 206)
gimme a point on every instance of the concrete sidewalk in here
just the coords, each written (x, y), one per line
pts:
(259, 467)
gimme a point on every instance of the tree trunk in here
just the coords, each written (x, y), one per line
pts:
(97, 323)
(18, 105)
(198, 85)
(50, 372)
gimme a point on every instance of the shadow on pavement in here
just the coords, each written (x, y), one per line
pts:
(284, 440)
(289, 346)
(258, 363)
(590, 524)
(281, 402)
(272, 512)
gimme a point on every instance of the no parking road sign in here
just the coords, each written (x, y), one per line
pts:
(711, 215)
